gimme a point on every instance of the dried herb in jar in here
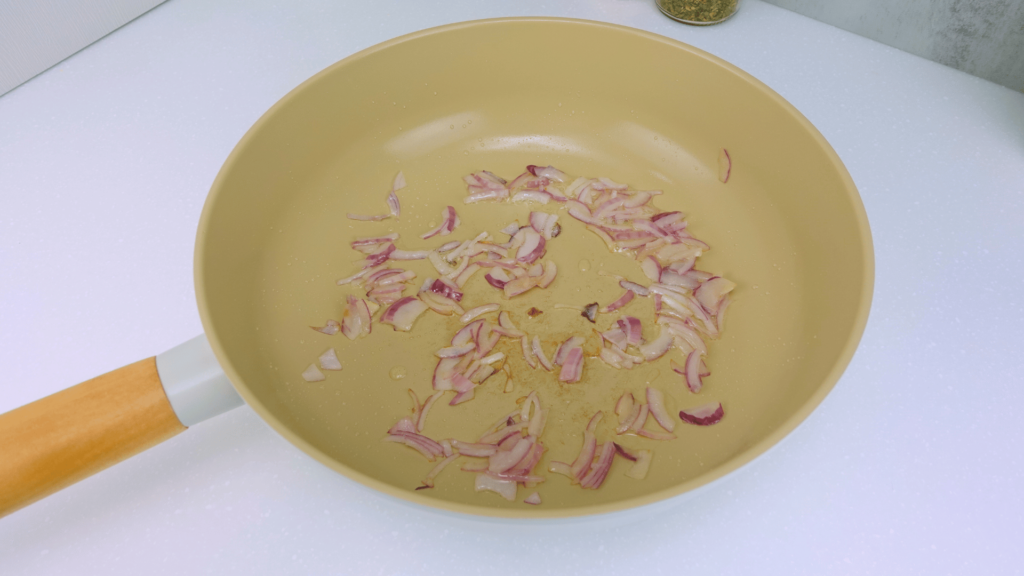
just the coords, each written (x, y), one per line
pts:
(698, 11)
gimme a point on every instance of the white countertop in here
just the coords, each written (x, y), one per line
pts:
(913, 465)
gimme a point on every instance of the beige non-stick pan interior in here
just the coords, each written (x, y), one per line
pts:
(593, 100)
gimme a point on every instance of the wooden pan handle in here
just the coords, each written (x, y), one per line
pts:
(56, 441)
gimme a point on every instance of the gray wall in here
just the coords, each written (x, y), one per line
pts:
(981, 37)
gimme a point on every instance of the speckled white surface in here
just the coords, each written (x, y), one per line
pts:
(911, 466)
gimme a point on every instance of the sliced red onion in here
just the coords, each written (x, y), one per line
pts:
(528, 354)
(409, 254)
(330, 328)
(475, 450)
(538, 220)
(399, 182)
(449, 221)
(656, 402)
(531, 196)
(641, 418)
(625, 452)
(429, 448)
(390, 279)
(581, 465)
(428, 482)
(590, 312)
(563, 350)
(712, 292)
(605, 183)
(467, 333)
(627, 418)
(638, 199)
(651, 268)
(511, 229)
(562, 468)
(632, 328)
(673, 278)
(604, 236)
(639, 470)
(683, 267)
(502, 461)
(547, 172)
(374, 241)
(693, 380)
(624, 405)
(497, 278)
(599, 471)
(446, 289)
(403, 313)
(540, 354)
(532, 248)
(704, 415)
(405, 424)
(724, 165)
(478, 311)
(635, 288)
(394, 205)
(368, 218)
(421, 421)
(532, 499)
(448, 246)
(505, 321)
(616, 337)
(658, 347)
(379, 257)
(678, 252)
(519, 286)
(329, 360)
(720, 316)
(622, 301)
(313, 374)
(462, 397)
(550, 271)
(356, 276)
(572, 369)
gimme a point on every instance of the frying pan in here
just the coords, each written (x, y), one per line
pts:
(592, 99)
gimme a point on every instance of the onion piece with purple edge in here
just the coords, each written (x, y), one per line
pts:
(724, 166)
(497, 278)
(642, 465)
(572, 369)
(634, 287)
(569, 344)
(403, 313)
(712, 292)
(632, 328)
(599, 471)
(693, 379)
(626, 298)
(704, 415)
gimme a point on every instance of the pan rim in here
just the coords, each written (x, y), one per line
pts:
(704, 480)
